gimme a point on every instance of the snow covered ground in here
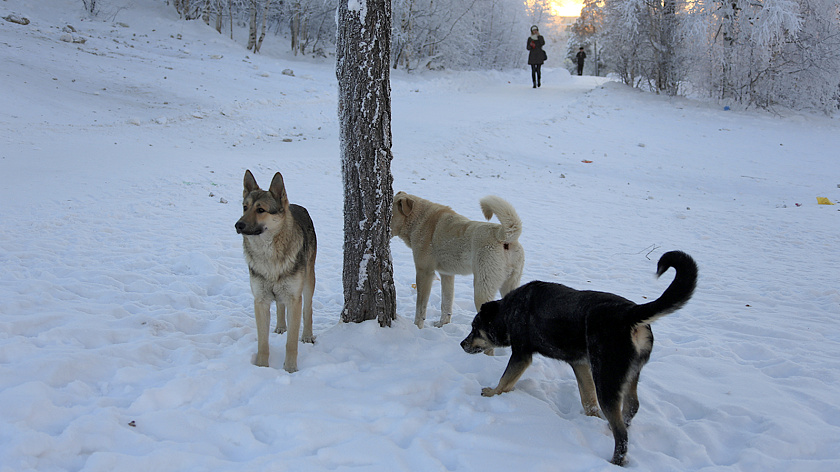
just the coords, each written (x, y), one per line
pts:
(126, 327)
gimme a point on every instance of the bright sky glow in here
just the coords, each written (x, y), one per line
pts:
(566, 7)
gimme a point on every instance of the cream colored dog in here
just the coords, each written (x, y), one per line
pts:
(445, 242)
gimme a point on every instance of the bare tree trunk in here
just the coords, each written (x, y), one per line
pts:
(318, 33)
(364, 108)
(304, 33)
(258, 44)
(252, 25)
(669, 45)
(409, 32)
(294, 26)
(205, 14)
(90, 7)
(219, 10)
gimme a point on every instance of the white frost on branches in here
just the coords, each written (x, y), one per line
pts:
(765, 53)
(776, 20)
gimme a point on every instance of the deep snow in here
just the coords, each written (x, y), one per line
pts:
(126, 325)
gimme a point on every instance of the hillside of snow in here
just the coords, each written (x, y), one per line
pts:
(127, 332)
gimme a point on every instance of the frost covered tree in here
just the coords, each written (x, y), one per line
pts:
(364, 110)
(667, 49)
(640, 42)
(811, 59)
(311, 25)
(189, 9)
(458, 34)
(585, 32)
(502, 34)
(774, 52)
(259, 13)
(307, 22)
(623, 38)
(91, 6)
(762, 53)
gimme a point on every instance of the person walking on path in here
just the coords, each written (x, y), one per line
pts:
(581, 57)
(536, 56)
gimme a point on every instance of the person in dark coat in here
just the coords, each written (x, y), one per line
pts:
(581, 57)
(537, 56)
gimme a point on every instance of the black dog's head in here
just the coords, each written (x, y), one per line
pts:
(488, 330)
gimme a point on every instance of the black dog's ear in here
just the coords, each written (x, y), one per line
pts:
(250, 183)
(278, 190)
(490, 310)
(491, 321)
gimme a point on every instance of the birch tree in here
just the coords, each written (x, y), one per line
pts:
(364, 110)
(622, 38)
(640, 41)
(92, 7)
(294, 27)
(259, 42)
(769, 53)
(252, 24)
(459, 34)
(254, 41)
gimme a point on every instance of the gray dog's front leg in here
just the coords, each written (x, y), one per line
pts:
(515, 368)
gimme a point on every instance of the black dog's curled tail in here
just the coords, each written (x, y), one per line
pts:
(676, 295)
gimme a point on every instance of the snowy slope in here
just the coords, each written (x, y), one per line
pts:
(126, 325)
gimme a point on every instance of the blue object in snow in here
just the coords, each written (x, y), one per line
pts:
(726, 108)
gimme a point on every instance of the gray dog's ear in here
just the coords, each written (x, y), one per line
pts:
(405, 205)
(250, 183)
(278, 190)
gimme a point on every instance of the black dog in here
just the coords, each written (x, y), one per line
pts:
(606, 338)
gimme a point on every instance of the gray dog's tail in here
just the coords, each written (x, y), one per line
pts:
(511, 224)
(676, 295)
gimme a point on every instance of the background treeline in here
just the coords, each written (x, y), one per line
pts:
(460, 34)
(761, 53)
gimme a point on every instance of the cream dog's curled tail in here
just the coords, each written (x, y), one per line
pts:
(511, 224)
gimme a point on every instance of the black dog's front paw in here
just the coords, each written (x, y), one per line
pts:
(490, 392)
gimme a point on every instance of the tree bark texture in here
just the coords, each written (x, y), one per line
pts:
(364, 108)
(259, 42)
(252, 25)
(294, 26)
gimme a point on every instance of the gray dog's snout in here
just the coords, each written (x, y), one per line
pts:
(466, 345)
